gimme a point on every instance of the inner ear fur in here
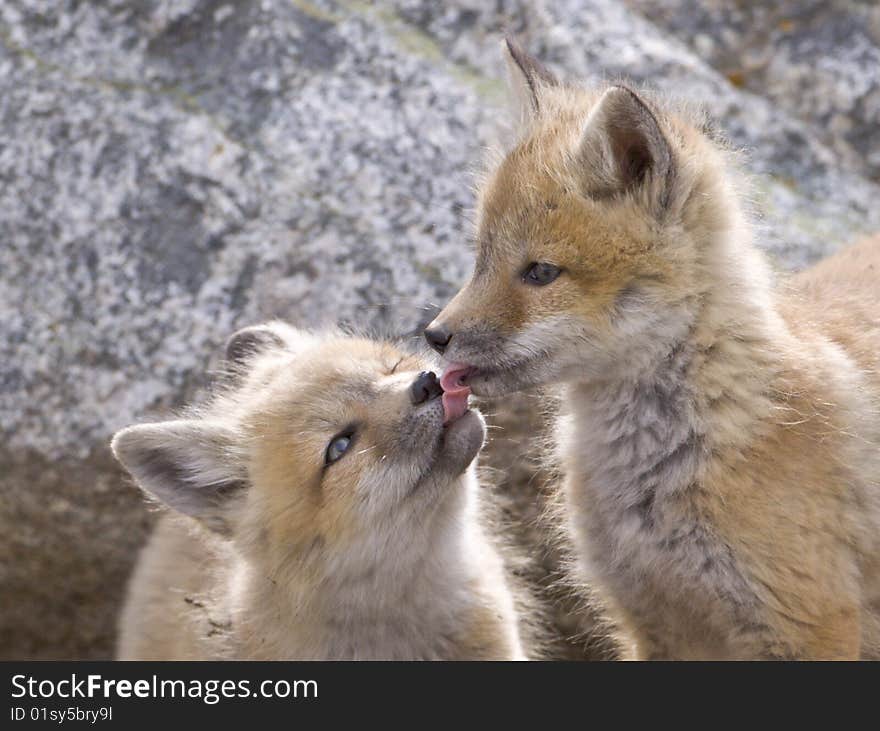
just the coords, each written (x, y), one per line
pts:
(187, 464)
(625, 149)
(245, 344)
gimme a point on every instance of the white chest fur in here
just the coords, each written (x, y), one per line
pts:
(633, 454)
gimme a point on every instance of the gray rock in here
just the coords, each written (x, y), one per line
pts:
(816, 59)
(173, 170)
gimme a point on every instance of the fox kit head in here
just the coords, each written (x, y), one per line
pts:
(588, 233)
(327, 451)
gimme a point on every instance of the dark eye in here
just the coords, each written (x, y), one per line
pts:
(541, 273)
(337, 447)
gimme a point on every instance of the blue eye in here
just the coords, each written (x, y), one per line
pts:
(541, 273)
(337, 447)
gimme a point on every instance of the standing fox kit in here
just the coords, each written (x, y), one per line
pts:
(331, 514)
(721, 433)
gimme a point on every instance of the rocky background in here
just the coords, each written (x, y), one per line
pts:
(173, 169)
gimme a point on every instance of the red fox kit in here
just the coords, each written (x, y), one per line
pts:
(721, 434)
(336, 500)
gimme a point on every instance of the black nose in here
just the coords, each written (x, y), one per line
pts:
(424, 388)
(438, 337)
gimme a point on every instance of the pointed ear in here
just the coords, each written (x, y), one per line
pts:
(624, 149)
(243, 344)
(250, 341)
(527, 77)
(187, 464)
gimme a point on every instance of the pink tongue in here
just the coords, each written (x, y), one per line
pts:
(455, 393)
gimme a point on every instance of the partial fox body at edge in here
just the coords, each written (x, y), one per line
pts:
(721, 430)
(325, 507)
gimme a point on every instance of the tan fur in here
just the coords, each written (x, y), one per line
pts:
(379, 555)
(722, 436)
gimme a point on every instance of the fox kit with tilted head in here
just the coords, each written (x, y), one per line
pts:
(330, 513)
(720, 433)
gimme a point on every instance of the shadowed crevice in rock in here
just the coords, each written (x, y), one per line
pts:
(70, 529)
(168, 240)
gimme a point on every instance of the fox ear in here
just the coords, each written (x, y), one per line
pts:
(625, 149)
(187, 464)
(244, 344)
(527, 77)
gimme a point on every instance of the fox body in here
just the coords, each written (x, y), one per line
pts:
(720, 434)
(329, 511)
